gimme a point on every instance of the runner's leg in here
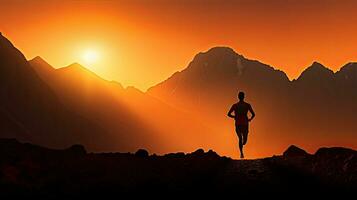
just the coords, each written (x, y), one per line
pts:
(240, 137)
(245, 137)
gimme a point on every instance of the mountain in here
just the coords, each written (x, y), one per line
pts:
(208, 87)
(58, 107)
(211, 81)
(316, 72)
(318, 108)
(30, 110)
(346, 81)
(316, 80)
(218, 72)
(131, 118)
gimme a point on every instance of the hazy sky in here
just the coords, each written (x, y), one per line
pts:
(141, 43)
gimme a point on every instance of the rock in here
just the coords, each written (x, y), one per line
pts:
(142, 153)
(40, 169)
(294, 151)
(334, 151)
(77, 149)
(212, 154)
(175, 155)
(198, 153)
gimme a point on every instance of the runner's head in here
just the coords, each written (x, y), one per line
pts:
(241, 96)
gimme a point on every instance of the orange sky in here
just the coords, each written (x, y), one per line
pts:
(141, 43)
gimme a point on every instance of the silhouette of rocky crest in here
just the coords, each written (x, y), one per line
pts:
(32, 170)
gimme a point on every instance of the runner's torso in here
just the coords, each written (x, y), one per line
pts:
(241, 113)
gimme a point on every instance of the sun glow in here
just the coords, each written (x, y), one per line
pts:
(90, 57)
(97, 58)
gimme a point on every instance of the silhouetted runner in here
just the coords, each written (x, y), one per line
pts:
(240, 110)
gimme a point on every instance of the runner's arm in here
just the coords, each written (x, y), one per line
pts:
(252, 112)
(230, 112)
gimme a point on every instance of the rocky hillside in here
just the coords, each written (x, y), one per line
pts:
(27, 169)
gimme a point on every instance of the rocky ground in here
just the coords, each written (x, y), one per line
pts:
(30, 170)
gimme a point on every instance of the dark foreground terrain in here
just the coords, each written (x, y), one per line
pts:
(30, 170)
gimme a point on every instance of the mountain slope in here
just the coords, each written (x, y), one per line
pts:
(31, 111)
(132, 119)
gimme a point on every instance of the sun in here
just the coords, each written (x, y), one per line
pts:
(90, 56)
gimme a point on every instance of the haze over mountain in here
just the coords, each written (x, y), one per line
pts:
(132, 119)
(30, 111)
(319, 108)
(59, 107)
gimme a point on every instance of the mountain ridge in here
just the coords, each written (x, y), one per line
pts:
(212, 50)
(231, 51)
(260, 86)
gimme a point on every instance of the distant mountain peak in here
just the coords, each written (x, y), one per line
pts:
(40, 65)
(348, 71)
(316, 71)
(221, 49)
(133, 90)
(39, 60)
(215, 59)
(318, 65)
(349, 66)
(76, 67)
